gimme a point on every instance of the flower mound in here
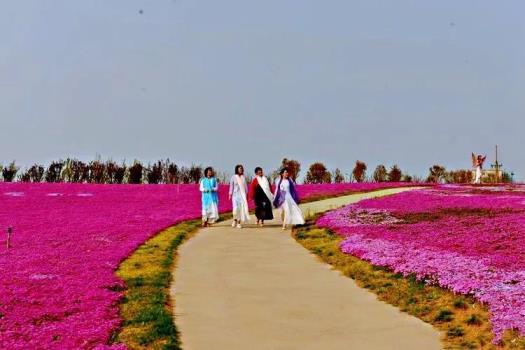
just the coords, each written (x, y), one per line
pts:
(470, 240)
(58, 288)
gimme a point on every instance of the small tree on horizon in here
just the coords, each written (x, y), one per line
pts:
(135, 173)
(318, 174)
(293, 166)
(407, 178)
(184, 175)
(172, 172)
(154, 172)
(111, 169)
(53, 171)
(394, 175)
(458, 176)
(79, 171)
(506, 177)
(195, 173)
(437, 173)
(34, 174)
(120, 173)
(9, 172)
(359, 171)
(338, 176)
(380, 173)
(97, 172)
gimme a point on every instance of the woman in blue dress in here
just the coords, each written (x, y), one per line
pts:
(209, 186)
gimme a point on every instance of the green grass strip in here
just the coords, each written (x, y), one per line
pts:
(146, 308)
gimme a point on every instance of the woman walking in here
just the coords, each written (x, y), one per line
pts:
(287, 200)
(262, 196)
(210, 200)
(238, 196)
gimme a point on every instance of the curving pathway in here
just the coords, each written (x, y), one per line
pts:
(258, 289)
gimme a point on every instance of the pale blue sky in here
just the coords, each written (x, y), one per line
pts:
(222, 82)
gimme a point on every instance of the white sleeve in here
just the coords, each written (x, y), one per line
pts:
(231, 185)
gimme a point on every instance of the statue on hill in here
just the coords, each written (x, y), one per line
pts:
(477, 163)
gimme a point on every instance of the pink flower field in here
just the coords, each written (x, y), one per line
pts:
(468, 239)
(313, 191)
(58, 288)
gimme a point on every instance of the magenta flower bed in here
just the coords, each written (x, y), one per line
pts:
(470, 240)
(57, 283)
(313, 191)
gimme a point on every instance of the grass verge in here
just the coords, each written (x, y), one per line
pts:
(146, 309)
(463, 321)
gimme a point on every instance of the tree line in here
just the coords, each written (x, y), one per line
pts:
(168, 172)
(104, 172)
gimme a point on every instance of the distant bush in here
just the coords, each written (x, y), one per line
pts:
(135, 173)
(394, 175)
(459, 176)
(407, 178)
(54, 171)
(119, 173)
(437, 173)
(97, 172)
(338, 176)
(24, 177)
(111, 168)
(79, 171)
(9, 172)
(184, 175)
(380, 173)
(171, 171)
(34, 174)
(293, 166)
(195, 173)
(154, 172)
(359, 172)
(318, 174)
(506, 177)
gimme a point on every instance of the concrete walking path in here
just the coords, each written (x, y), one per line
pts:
(257, 288)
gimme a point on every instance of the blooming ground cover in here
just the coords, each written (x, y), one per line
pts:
(468, 239)
(312, 191)
(58, 287)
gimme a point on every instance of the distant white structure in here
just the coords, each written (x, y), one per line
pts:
(477, 163)
(492, 175)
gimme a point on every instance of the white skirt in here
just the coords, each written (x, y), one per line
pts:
(241, 212)
(477, 180)
(210, 214)
(292, 213)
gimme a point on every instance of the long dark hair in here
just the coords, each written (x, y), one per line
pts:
(206, 171)
(237, 167)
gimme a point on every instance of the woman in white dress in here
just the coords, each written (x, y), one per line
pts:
(238, 195)
(287, 200)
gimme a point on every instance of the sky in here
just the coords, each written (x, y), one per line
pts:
(412, 83)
